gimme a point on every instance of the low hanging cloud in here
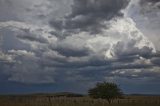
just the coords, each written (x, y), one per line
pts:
(100, 43)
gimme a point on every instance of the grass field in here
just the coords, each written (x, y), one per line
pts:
(48, 100)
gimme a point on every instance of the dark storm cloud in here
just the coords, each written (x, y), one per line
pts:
(98, 70)
(156, 61)
(71, 52)
(80, 55)
(88, 15)
(51, 58)
(127, 62)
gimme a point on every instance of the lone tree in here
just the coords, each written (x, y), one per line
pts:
(105, 90)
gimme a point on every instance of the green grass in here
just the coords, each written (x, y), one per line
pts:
(44, 100)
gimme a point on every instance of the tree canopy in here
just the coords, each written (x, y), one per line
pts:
(105, 90)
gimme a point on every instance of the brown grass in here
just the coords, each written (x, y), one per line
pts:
(44, 100)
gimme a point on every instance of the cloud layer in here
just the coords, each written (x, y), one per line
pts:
(90, 41)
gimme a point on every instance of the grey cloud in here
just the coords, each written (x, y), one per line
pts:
(32, 35)
(156, 61)
(30, 72)
(101, 7)
(88, 15)
(5, 11)
(31, 38)
(151, 1)
(149, 6)
(81, 55)
(22, 53)
(132, 50)
(75, 49)
(27, 69)
(146, 14)
(71, 52)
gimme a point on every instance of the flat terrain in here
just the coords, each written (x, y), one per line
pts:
(50, 100)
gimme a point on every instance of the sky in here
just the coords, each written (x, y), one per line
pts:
(70, 45)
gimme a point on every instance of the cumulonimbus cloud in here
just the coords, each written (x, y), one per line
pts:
(66, 47)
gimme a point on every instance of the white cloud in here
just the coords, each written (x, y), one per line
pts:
(121, 38)
(6, 58)
(147, 17)
(22, 53)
